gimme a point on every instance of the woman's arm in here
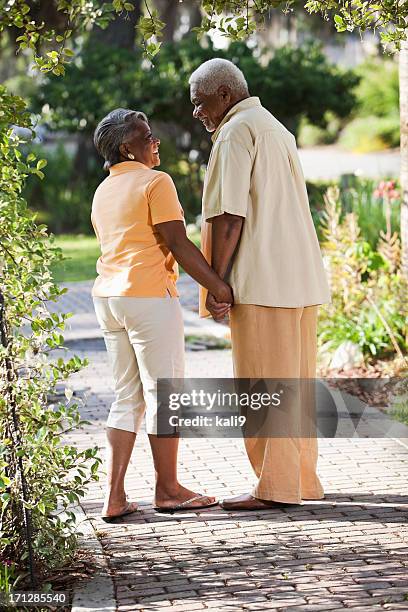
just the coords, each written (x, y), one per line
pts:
(192, 260)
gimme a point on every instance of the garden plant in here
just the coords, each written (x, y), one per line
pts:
(368, 288)
(40, 474)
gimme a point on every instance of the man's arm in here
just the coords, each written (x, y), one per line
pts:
(226, 232)
(226, 205)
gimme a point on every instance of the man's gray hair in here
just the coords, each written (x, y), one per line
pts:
(216, 72)
(112, 131)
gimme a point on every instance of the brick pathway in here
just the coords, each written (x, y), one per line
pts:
(349, 551)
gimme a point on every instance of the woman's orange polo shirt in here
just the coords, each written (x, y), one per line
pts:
(126, 206)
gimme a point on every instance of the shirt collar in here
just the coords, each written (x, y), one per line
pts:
(237, 108)
(126, 166)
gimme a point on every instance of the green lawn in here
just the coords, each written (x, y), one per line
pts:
(81, 253)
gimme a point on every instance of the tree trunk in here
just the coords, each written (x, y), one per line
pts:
(120, 31)
(169, 13)
(403, 59)
(194, 14)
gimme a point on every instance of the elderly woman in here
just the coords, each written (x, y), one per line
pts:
(139, 224)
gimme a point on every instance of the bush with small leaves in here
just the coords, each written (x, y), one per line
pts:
(41, 474)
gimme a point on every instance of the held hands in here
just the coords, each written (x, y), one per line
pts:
(220, 304)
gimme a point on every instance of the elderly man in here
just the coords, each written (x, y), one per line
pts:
(258, 233)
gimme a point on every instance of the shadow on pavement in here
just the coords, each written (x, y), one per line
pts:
(354, 507)
(272, 566)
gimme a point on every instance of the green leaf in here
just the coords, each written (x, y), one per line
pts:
(153, 49)
(340, 24)
(41, 163)
(4, 481)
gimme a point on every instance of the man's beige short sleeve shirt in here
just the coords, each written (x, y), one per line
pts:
(254, 171)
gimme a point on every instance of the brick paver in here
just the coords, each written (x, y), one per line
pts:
(348, 551)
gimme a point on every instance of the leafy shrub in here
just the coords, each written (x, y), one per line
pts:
(62, 200)
(311, 135)
(368, 289)
(378, 90)
(375, 124)
(40, 474)
(366, 134)
(375, 119)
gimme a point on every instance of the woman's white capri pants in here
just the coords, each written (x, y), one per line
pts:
(144, 339)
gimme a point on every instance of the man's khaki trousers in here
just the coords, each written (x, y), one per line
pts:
(278, 343)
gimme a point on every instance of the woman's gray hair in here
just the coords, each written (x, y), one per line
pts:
(216, 72)
(112, 131)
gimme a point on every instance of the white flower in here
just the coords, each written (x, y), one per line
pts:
(68, 393)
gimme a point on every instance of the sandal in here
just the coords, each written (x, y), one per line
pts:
(184, 505)
(130, 509)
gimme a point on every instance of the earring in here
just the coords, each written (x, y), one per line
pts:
(131, 156)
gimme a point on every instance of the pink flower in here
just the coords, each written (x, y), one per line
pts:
(387, 190)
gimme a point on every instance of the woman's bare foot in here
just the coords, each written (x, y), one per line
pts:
(117, 506)
(169, 497)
